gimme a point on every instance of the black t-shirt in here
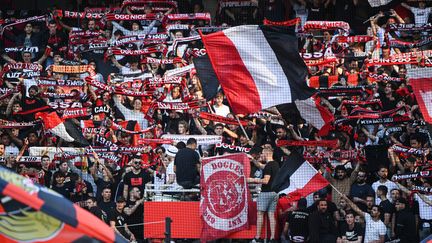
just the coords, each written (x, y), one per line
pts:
(271, 168)
(137, 180)
(350, 234)
(47, 177)
(185, 162)
(106, 207)
(361, 191)
(120, 220)
(64, 190)
(98, 213)
(298, 221)
(137, 216)
(331, 207)
(387, 207)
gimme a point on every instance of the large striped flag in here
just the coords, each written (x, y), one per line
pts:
(259, 67)
(297, 178)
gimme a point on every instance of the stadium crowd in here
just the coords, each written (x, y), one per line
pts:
(130, 109)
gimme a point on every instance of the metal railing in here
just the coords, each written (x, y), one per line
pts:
(153, 193)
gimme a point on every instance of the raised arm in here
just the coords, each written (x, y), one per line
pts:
(121, 28)
(353, 206)
(406, 6)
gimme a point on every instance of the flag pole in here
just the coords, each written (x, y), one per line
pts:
(242, 128)
(326, 179)
(336, 189)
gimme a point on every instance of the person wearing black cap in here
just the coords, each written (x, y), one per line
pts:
(117, 219)
(405, 227)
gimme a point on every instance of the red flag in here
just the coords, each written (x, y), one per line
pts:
(420, 79)
(225, 195)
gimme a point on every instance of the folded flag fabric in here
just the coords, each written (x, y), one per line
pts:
(297, 178)
(54, 123)
(313, 112)
(64, 129)
(420, 82)
(258, 66)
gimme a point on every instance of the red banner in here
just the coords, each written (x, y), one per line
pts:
(225, 196)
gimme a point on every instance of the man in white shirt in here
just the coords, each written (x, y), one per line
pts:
(171, 182)
(383, 181)
(375, 229)
(421, 14)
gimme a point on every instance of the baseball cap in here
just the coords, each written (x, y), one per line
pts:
(171, 151)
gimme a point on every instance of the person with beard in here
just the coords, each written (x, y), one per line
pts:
(405, 226)
(341, 181)
(281, 153)
(375, 228)
(135, 210)
(138, 177)
(322, 227)
(92, 207)
(383, 181)
(360, 190)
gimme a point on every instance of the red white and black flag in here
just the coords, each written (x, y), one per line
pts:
(65, 129)
(225, 196)
(259, 67)
(420, 79)
(297, 178)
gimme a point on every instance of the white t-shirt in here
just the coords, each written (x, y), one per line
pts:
(425, 211)
(223, 110)
(170, 171)
(11, 150)
(390, 186)
(373, 229)
(421, 15)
